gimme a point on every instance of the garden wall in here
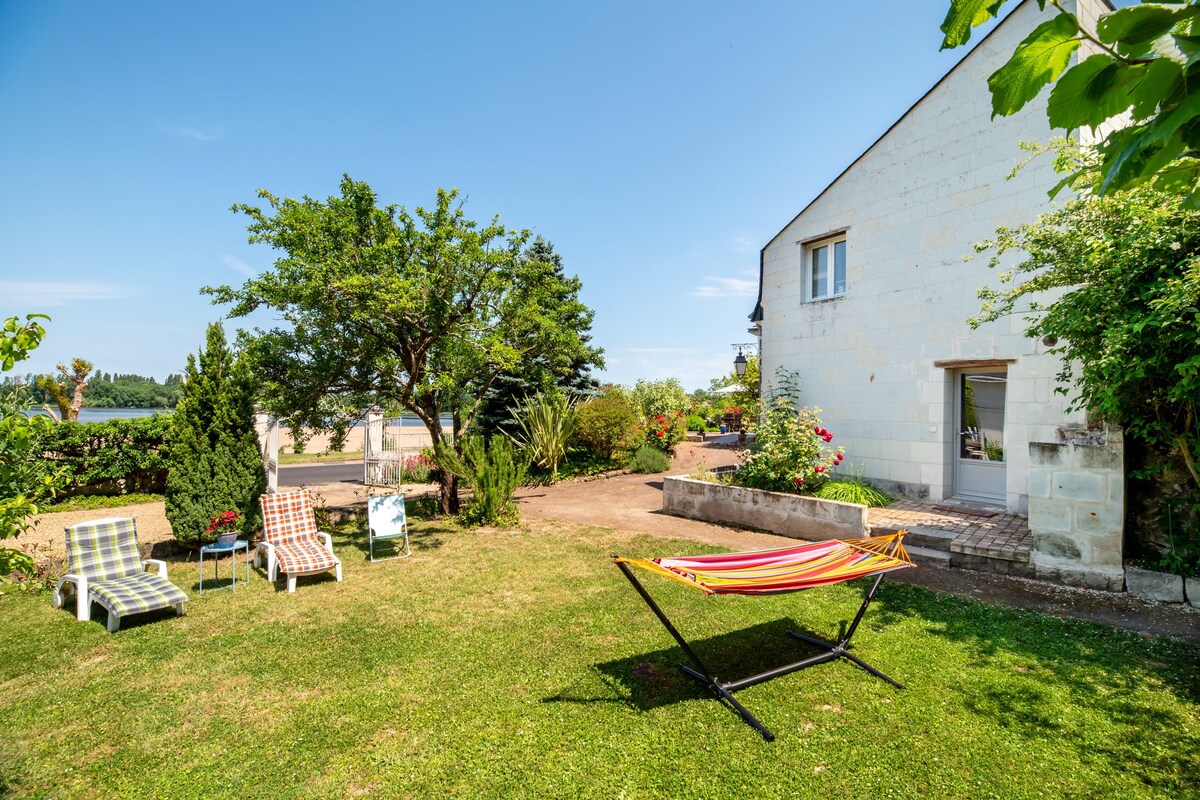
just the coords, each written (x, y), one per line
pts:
(1077, 508)
(788, 514)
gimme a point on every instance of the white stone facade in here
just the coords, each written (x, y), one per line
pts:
(911, 208)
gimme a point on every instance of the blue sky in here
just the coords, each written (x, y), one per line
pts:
(658, 145)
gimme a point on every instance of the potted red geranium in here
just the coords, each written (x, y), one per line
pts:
(225, 525)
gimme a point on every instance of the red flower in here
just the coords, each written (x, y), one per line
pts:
(819, 469)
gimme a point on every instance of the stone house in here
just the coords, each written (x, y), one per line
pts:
(866, 292)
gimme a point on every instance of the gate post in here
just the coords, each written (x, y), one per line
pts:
(372, 444)
(267, 428)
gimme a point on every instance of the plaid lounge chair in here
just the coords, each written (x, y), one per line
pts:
(292, 543)
(106, 569)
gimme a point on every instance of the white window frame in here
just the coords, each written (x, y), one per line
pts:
(825, 250)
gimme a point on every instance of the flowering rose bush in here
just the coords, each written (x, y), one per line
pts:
(789, 453)
(664, 431)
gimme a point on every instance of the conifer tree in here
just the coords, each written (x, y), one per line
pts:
(213, 454)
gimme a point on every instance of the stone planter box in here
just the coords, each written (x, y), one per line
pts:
(1151, 585)
(786, 514)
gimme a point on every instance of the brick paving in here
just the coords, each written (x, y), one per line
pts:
(983, 534)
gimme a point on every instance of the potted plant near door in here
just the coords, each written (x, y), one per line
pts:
(225, 525)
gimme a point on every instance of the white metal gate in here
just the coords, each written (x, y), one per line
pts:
(389, 443)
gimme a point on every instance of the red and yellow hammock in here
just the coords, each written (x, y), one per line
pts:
(775, 571)
(783, 569)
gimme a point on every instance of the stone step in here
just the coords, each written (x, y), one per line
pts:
(920, 536)
(928, 557)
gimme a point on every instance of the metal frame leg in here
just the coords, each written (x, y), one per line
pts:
(725, 689)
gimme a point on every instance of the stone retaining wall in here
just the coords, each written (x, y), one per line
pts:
(787, 514)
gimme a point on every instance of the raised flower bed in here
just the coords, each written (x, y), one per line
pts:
(795, 515)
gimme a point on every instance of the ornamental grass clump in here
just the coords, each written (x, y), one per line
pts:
(789, 453)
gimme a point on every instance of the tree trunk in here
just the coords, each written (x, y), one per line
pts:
(447, 482)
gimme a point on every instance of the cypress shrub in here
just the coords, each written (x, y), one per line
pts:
(213, 455)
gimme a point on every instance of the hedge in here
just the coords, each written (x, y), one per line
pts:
(114, 457)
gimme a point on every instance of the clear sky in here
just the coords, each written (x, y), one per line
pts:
(659, 145)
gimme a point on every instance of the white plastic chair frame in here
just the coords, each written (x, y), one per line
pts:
(386, 519)
(72, 582)
(83, 605)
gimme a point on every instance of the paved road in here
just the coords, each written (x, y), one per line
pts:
(312, 474)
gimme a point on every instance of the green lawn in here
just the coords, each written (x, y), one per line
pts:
(518, 664)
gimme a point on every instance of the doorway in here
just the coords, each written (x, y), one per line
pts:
(980, 471)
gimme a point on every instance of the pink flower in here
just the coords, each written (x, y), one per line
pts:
(799, 481)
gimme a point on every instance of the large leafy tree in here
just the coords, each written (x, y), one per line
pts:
(568, 372)
(1147, 63)
(421, 310)
(25, 479)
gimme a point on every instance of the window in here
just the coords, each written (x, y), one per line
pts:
(826, 269)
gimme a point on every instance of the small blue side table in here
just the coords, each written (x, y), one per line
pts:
(215, 550)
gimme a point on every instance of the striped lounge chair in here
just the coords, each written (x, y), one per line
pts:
(107, 569)
(292, 544)
(775, 571)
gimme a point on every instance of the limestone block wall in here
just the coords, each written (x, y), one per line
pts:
(1077, 509)
(792, 515)
(911, 208)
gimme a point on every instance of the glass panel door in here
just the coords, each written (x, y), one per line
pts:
(980, 472)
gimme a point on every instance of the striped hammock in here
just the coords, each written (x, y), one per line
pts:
(783, 569)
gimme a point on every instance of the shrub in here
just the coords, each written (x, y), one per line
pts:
(695, 422)
(546, 422)
(491, 468)
(110, 458)
(660, 398)
(650, 460)
(213, 456)
(608, 425)
(416, 469)
(788, 454)
(665, 431)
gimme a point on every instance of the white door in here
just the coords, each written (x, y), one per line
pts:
(979, 472)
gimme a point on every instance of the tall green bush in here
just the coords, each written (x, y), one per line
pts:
(113, 457)
(214, 460)
(494, 470)
(608, 425)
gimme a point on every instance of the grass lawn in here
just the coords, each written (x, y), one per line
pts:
(286, 459)
(522, 664)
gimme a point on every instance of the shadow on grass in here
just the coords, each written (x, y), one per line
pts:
(423, 537)
(650, 680)
(1048, 675)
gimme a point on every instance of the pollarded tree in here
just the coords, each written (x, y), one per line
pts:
(421, 311)
(68, 395)
(214, 462)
